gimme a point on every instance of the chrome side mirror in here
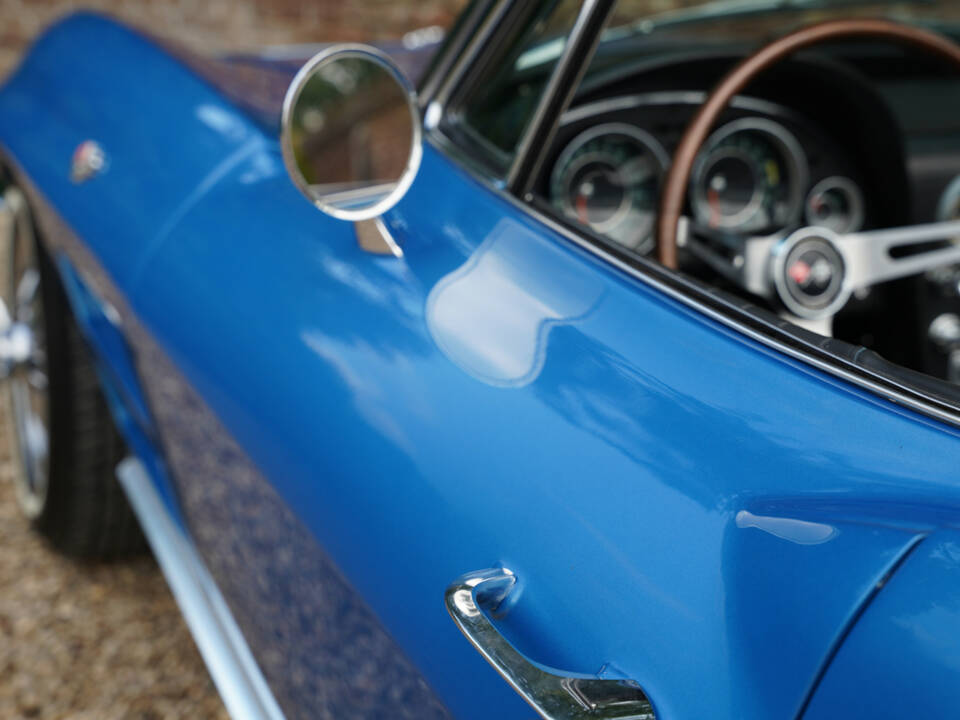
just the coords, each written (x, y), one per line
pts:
(351, 132)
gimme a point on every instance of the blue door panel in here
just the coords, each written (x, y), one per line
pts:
(679, 503)
(903, 657)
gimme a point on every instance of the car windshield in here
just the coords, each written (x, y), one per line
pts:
(498, 111)
(725, 21)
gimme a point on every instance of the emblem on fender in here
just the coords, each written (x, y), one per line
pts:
(88, 160)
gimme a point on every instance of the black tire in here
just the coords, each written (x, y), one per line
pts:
(83, 512)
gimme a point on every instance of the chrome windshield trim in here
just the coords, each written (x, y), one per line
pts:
(231, 664)
(453, 50)
(437, 104)
(781, 338)
(564, 80)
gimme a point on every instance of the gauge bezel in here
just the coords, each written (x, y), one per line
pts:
(854, 198)
(949, 201)
(639, 135)
(571, 171)
(794, 158)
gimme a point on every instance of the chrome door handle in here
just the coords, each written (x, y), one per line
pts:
(554, 694)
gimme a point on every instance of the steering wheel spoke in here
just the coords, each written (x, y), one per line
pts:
(743, 261)
(877, 256)
(813, 271)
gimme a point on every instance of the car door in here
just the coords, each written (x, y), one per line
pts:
(668, 492)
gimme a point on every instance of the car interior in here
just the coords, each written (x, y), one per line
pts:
(789, 199)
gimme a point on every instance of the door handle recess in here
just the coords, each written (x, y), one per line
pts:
(554, 694)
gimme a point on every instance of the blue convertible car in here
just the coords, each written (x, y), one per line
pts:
(612, 372)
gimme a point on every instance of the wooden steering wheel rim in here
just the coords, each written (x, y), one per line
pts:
(678, 177)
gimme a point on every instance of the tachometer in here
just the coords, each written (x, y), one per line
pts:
(749, 178)
(608, 178)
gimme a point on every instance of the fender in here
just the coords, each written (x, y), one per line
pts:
(162, 160)
(79, 82)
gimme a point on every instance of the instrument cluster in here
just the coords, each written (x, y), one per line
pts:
(608, 179)
(752, 177)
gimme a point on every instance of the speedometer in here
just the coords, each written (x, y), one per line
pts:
(749, 178)
(608, 179)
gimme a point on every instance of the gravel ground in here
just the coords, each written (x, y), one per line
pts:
(88, 641)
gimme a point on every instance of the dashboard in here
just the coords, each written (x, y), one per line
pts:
(856, 140)
(764, 169)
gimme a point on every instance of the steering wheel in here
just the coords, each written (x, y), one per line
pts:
(779, 267)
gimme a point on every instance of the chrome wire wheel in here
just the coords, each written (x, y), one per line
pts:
(65, 446)
(24, 356)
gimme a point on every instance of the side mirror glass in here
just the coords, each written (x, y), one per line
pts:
(351, 132)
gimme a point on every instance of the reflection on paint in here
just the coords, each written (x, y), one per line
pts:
(802, 532)
(222, 121)
(491, 316)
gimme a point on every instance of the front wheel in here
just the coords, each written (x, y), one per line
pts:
(66, 446)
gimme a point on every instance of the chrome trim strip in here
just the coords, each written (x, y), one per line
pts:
(239, 680)
(645, 271)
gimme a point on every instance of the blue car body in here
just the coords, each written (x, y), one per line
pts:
(342, 434)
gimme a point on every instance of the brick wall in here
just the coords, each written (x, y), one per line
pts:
(233, 24)
(213, 25)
